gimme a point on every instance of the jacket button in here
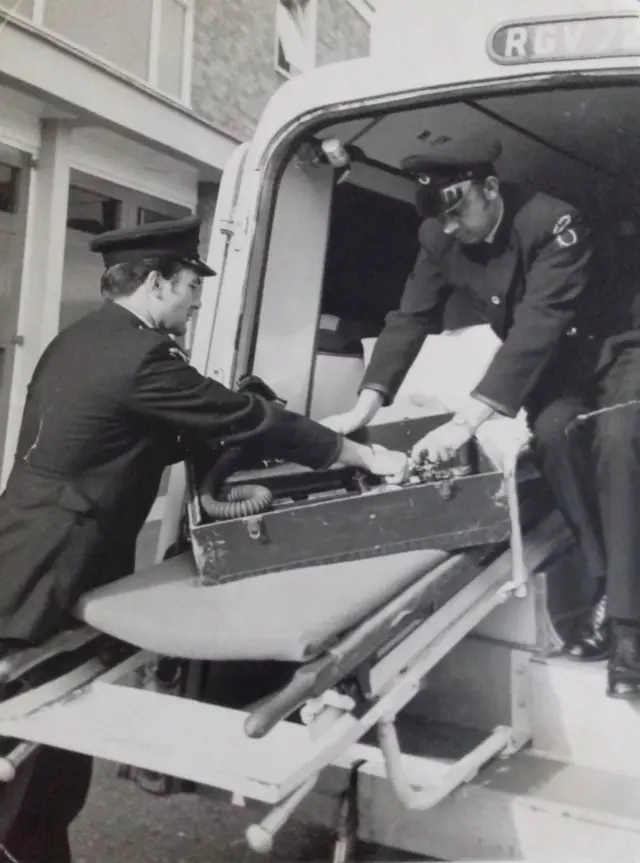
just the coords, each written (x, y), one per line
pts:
(495, 300)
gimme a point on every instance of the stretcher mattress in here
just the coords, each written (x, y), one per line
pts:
(289, 616)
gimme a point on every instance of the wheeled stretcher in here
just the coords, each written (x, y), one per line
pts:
(356, 637)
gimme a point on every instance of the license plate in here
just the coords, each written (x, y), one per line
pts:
(576, 38)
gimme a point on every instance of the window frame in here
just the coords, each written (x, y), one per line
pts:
(151, 78)
(15, 187)
(153, 63)
(365, 8)
(310, 41)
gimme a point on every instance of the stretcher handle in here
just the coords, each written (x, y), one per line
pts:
(260, 836)
(315, 677)
(300, 688)
(10, 763)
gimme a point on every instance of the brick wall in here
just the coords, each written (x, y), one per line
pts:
(233, 65)
(342, 33)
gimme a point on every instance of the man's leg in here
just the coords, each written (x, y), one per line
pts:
(563, 447)
(618, 477)
(617, 469)
(56, 794)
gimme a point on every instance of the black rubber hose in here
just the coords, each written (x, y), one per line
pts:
(237, 502)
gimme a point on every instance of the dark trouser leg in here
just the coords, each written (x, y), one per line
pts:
(618, 477)
(56, 793)
(617, 469)
(564, 450)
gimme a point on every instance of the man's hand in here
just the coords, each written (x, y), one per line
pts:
(392, 465)
(342, 423)
(368, 404)
(442, 443)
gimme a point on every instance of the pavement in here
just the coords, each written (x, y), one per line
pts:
(125, 824)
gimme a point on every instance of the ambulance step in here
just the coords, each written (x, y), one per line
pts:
(574, 720)
(524, 808)
(484, 683)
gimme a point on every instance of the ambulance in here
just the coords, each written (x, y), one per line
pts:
(417, 699)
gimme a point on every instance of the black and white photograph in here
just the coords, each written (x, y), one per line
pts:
(319, 431)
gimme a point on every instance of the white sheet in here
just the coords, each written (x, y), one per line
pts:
(445, 372)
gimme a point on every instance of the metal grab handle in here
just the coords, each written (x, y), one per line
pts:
(520, 571)
(10, 763)
(459, 773)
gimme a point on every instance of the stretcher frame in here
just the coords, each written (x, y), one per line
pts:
(88, 709)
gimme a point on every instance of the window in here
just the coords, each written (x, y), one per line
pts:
(8, 188)
(119, 31)
(92, 213)
(145, 216)
(295, 36)
(151, 40)
(171, 48)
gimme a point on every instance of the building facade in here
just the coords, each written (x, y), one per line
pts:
(236, 67)
(118, 113)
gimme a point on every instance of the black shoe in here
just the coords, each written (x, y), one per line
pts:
(593, 641)
(623, 677)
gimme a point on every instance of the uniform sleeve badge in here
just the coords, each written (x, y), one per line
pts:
(564, 233)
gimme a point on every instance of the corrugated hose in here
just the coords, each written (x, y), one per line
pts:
(238, 501)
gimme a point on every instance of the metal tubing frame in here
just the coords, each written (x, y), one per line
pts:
(260, 836)
(458, 774)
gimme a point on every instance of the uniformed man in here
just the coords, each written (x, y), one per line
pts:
(522, 262)
(112, 402)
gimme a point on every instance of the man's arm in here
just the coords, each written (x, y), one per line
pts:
(419, 314)
(555, 283)
(175, 397)
(168, 391)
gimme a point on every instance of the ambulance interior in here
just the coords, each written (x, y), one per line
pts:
(360, 230)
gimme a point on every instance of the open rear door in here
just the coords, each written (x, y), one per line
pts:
(227, 235)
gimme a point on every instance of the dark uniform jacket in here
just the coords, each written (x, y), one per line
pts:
(111, 403)
(532, 284)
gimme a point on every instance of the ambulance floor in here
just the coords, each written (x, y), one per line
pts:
(123, 823)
